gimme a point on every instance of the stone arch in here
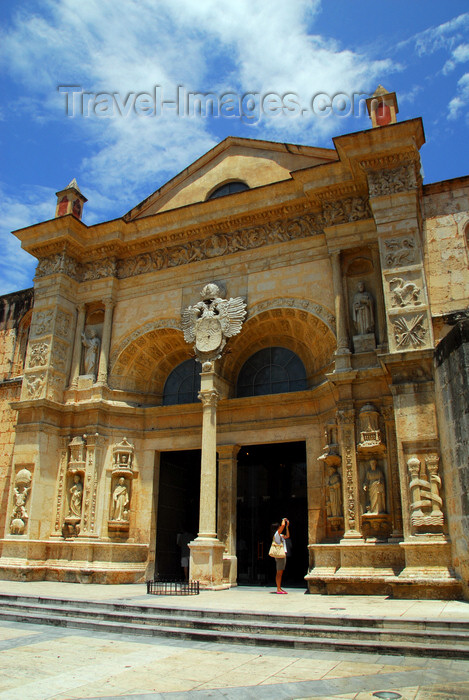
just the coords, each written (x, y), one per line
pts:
(294, 324)
(143, 360)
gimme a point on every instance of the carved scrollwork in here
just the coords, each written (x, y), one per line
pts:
(38, 354)
(400, 179)
(209, 398)
(59, 263)
(343, 211)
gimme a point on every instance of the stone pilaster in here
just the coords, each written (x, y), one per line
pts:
(105, 341)
(343, 341)
(346, 427)
(227, 490)
(90, 488)
(77, 347)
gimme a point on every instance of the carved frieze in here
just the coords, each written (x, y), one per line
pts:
(343, 211)
(399, 179)
(58, 263)
(224, 240)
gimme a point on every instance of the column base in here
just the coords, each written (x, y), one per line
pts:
(206, 563)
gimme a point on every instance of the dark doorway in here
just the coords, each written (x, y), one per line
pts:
(271, 485)
(178, 508)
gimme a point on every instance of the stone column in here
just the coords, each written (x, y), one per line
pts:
(206, 562)
(350, 485)
(77, 347)
(227, 490)
(343, 342)
(105, 342)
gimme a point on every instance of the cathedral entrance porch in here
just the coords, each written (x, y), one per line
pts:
(271, 485)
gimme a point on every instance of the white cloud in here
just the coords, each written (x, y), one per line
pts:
(18, 211)
(130, 46)
(444, 36)
(460, 101)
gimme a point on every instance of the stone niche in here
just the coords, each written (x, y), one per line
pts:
(333, 484)
(121, 488)
(75, 478)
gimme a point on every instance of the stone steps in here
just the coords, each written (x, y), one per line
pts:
(372, 635)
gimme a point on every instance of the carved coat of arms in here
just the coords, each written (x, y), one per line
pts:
(211, 321)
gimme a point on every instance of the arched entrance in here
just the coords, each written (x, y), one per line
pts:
(271, 485)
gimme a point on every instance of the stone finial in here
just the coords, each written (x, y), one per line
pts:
(70, 201)
(382, 107)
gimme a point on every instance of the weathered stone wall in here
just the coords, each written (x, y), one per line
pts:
(13, 309)
(452, 400)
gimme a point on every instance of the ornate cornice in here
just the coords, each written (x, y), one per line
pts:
(223, 239)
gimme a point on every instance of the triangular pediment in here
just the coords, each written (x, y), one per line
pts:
(256, 163)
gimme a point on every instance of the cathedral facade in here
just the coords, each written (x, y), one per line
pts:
(340, 402)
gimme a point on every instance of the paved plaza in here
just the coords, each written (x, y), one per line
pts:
(41, 662)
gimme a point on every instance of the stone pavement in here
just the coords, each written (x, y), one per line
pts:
(39, 662)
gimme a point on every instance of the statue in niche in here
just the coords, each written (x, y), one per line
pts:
(334, 494)
(91, 344)
(120, 501)
(76, 497)
(375, 489)
(363, 311)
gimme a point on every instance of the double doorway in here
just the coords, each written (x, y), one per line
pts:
(271, 484)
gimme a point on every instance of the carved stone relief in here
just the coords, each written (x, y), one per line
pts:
(400, 179)
(21, 490)
(59, 357)
(425, 501)
(403, 292)
(400, 251)
(38, 354)
(41, 324)
(218, 244)
(35, 384)
(369, 429)
(410, 331)
(63, 325)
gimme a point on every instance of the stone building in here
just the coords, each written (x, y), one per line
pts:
(336, 403)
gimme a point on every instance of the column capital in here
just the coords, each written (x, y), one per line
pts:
(209, 397)
(228, 451)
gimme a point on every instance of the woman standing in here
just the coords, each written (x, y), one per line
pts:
(277, 530)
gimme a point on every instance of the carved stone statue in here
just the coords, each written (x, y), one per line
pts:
(334, 494)
(363, 310)
(211, 321)
(19, 515)
(375, 489)
(76, 497)
(120, 501)
(91, 344)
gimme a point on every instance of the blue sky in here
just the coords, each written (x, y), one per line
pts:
(299, 48)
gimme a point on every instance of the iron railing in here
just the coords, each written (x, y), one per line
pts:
(172, 587)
